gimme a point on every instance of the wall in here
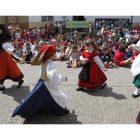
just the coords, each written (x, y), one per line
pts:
(2, 19)
(23, 19)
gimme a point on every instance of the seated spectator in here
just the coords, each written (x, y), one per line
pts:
(128, 54)
(68, 36)
(33, 46)
(74, 55)
(82, 47)
(135, 54)
(119, 58)
(111, 53)
(105, 58)
(41, 44)
(39, 35)
(75, 44)
(27, 45)
(68, 50)
(75, 36)
(19, 50)
(26, 41)
(27, 55)
(36, 51)
(59, 51)
(137, 27)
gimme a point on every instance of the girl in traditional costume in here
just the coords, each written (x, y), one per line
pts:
(91, 75)
(45, 96)
(8, 68)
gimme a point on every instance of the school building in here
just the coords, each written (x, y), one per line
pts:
(22, 21)
(39, 21)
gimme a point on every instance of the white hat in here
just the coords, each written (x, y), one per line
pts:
(53, 40)
(40, 42)
(120, 38)
(109, 40)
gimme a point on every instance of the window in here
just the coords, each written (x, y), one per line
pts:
(47, 18)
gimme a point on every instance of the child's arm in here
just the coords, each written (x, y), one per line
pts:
(99, 62)
(53, 76)
(9, 48)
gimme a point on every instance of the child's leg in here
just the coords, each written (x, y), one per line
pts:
(68, 62)
(59, 58)
(110, 63)
(105, 63)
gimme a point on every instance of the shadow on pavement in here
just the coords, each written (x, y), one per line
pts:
(70, 118)
(106, 92)
(18, 94)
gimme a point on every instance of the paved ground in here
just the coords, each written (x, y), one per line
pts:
(112, 105)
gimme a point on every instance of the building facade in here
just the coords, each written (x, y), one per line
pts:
(39, 21)
(22, 21)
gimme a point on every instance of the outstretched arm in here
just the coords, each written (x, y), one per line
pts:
(8, 47)
(52, 75)
(99, 62)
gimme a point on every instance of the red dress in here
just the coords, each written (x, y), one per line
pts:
(91, 75)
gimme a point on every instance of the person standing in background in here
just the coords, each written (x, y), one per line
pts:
(56, 27)
(64, 26)
(90, 31)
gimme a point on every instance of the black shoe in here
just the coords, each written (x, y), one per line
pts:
(80, 88)
(103, 86)
(135, 96)
(1, 89)
(20, 83)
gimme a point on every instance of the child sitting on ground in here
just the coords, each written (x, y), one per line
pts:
(111, 52)
(68, 50)
(37, 49)
(105, 58)
(74, 55)
(28, 55)
(59, 51)
(119, 58)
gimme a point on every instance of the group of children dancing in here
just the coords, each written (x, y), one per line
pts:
(51, 98)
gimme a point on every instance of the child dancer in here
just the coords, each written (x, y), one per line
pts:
(8, 68)
(45, 96)
(91, 75)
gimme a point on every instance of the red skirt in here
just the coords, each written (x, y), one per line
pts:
(8, 68)
(96, 78)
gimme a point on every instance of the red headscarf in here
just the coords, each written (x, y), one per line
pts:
(45, 53)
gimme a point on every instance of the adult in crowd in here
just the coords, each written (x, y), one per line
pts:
(90, 31)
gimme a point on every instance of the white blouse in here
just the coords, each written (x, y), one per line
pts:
(8, 47)
(97, 60)
(135, 68)
(52, 85)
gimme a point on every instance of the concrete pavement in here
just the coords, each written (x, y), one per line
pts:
(112, 105)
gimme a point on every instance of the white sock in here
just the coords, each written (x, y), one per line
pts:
(1, 85)
(136, 91)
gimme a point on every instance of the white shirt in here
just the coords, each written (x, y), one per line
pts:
(68, 50)
(89, 30)
(60, 49)
(74, 56)
(8, 47)
(97, 60)
(17, 35)
(24, 46)
(135, 68)
(55, 79)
